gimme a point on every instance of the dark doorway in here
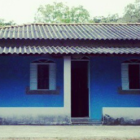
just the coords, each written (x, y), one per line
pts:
(79, 89)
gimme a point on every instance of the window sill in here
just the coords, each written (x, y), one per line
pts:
(130, 91)
(42, 91)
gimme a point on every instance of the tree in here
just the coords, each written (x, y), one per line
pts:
(61, 13)
(109, 19)
(131, 15)
(132, 12)
(4, 23)
(79, 14)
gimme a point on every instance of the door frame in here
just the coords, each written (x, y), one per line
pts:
(88, 60)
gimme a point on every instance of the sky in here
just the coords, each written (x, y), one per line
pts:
(23, 11)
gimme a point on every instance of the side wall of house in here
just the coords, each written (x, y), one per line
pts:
(105, 100)
(18, 107)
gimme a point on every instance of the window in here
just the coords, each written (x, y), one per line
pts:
(131, 75)
(43, 75)
(134, 76)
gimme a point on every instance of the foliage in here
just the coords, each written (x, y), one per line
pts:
(131, 15)
(109, 19)
(132, 12)
(4, 23)
(60, 13)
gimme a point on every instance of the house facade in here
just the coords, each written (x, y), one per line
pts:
(64, 73)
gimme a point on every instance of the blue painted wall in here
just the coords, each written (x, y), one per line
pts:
(105, 78)
(14, 78)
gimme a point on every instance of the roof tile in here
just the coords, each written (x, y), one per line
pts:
(72, 31)
(69, 50)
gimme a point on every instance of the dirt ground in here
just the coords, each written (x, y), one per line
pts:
(69, 132)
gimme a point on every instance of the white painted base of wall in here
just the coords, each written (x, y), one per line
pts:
(121, 115)
(19, 115)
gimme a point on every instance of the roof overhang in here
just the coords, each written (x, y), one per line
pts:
(69, 50)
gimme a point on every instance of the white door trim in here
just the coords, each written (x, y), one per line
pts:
(67, 84)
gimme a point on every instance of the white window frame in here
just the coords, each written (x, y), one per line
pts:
(33, 76)
(125, 75)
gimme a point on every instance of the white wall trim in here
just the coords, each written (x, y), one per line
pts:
(67, 84)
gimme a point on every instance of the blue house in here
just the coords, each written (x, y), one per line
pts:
(70, 73)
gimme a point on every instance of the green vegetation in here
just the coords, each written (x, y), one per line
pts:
(132, 12)
(131, 15)
(4, 23)
(109, 19)
(61, 13)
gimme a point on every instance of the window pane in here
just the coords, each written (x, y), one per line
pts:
(43, 76)
(134, 76)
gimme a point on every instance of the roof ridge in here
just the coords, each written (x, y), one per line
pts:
(29, 24)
